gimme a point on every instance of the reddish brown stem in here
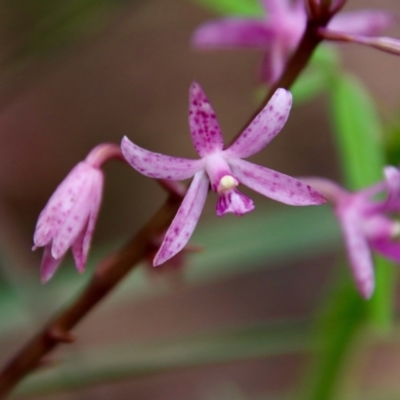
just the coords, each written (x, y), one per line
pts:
(295, 65)
(114, 268)
(109, 272)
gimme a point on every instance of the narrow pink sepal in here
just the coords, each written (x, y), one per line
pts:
(97, 195)
(330, 190)
(387, 44)
(232, 32)
(81, 245)
(359, 255)
(364, 22)
(49, 264)
(388, 248)
(265, 126)
(392, 179)
(159, 166)
(77, 218)
(60, 204)
(275, 185)
(77, 251)
(185, 221)
(203, 124)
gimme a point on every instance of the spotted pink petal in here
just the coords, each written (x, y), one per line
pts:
(96, 196)
(185, 221)
(60, 204)
(77, 251)
(159, 166)
(265, 126)
(232, 32)
(81, 245)
(275, 185)
(330, 190)
(49, 264)
(364, 22)
(388, 248)
(359, 254)
(204, 127)
(75, 221)
(392, 179)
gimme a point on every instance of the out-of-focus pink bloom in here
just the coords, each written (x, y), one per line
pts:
(280, 31)
(365, 223)
(69, 217)
(383, 43)
(224, 169)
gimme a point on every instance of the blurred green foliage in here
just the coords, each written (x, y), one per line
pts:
(248, 8)
(298, 233)
(268, 239)
(358, 133)
(41, 27)
(316, 78)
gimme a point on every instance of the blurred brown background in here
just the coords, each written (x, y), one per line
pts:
(130, 76)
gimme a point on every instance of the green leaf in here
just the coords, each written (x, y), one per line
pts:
(326, 56)
(309, 85)
(358, 135)
(134, 360)
(42, 27)
(357, 131)
(381, 307)
(393, 143)
(337, 331)
(248, 8)
(360, 143)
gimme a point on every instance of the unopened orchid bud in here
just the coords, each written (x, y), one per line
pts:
(69, 217)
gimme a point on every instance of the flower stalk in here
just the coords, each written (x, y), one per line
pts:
(108, 274)
(111, 270)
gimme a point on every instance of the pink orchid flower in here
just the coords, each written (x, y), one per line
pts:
(280, 30)
(69, 217)
(365, 223)
(224, 169)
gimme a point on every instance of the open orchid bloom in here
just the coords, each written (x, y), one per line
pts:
(224, 169)
(69, 217)
(366, 224)
(279, 31)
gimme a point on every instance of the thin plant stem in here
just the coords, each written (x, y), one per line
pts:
(108, 274)
(115, 267)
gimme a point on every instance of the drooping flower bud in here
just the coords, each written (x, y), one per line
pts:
(69, 217)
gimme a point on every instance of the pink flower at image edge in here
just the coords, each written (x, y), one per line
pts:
(279, 32)
(366, 224)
